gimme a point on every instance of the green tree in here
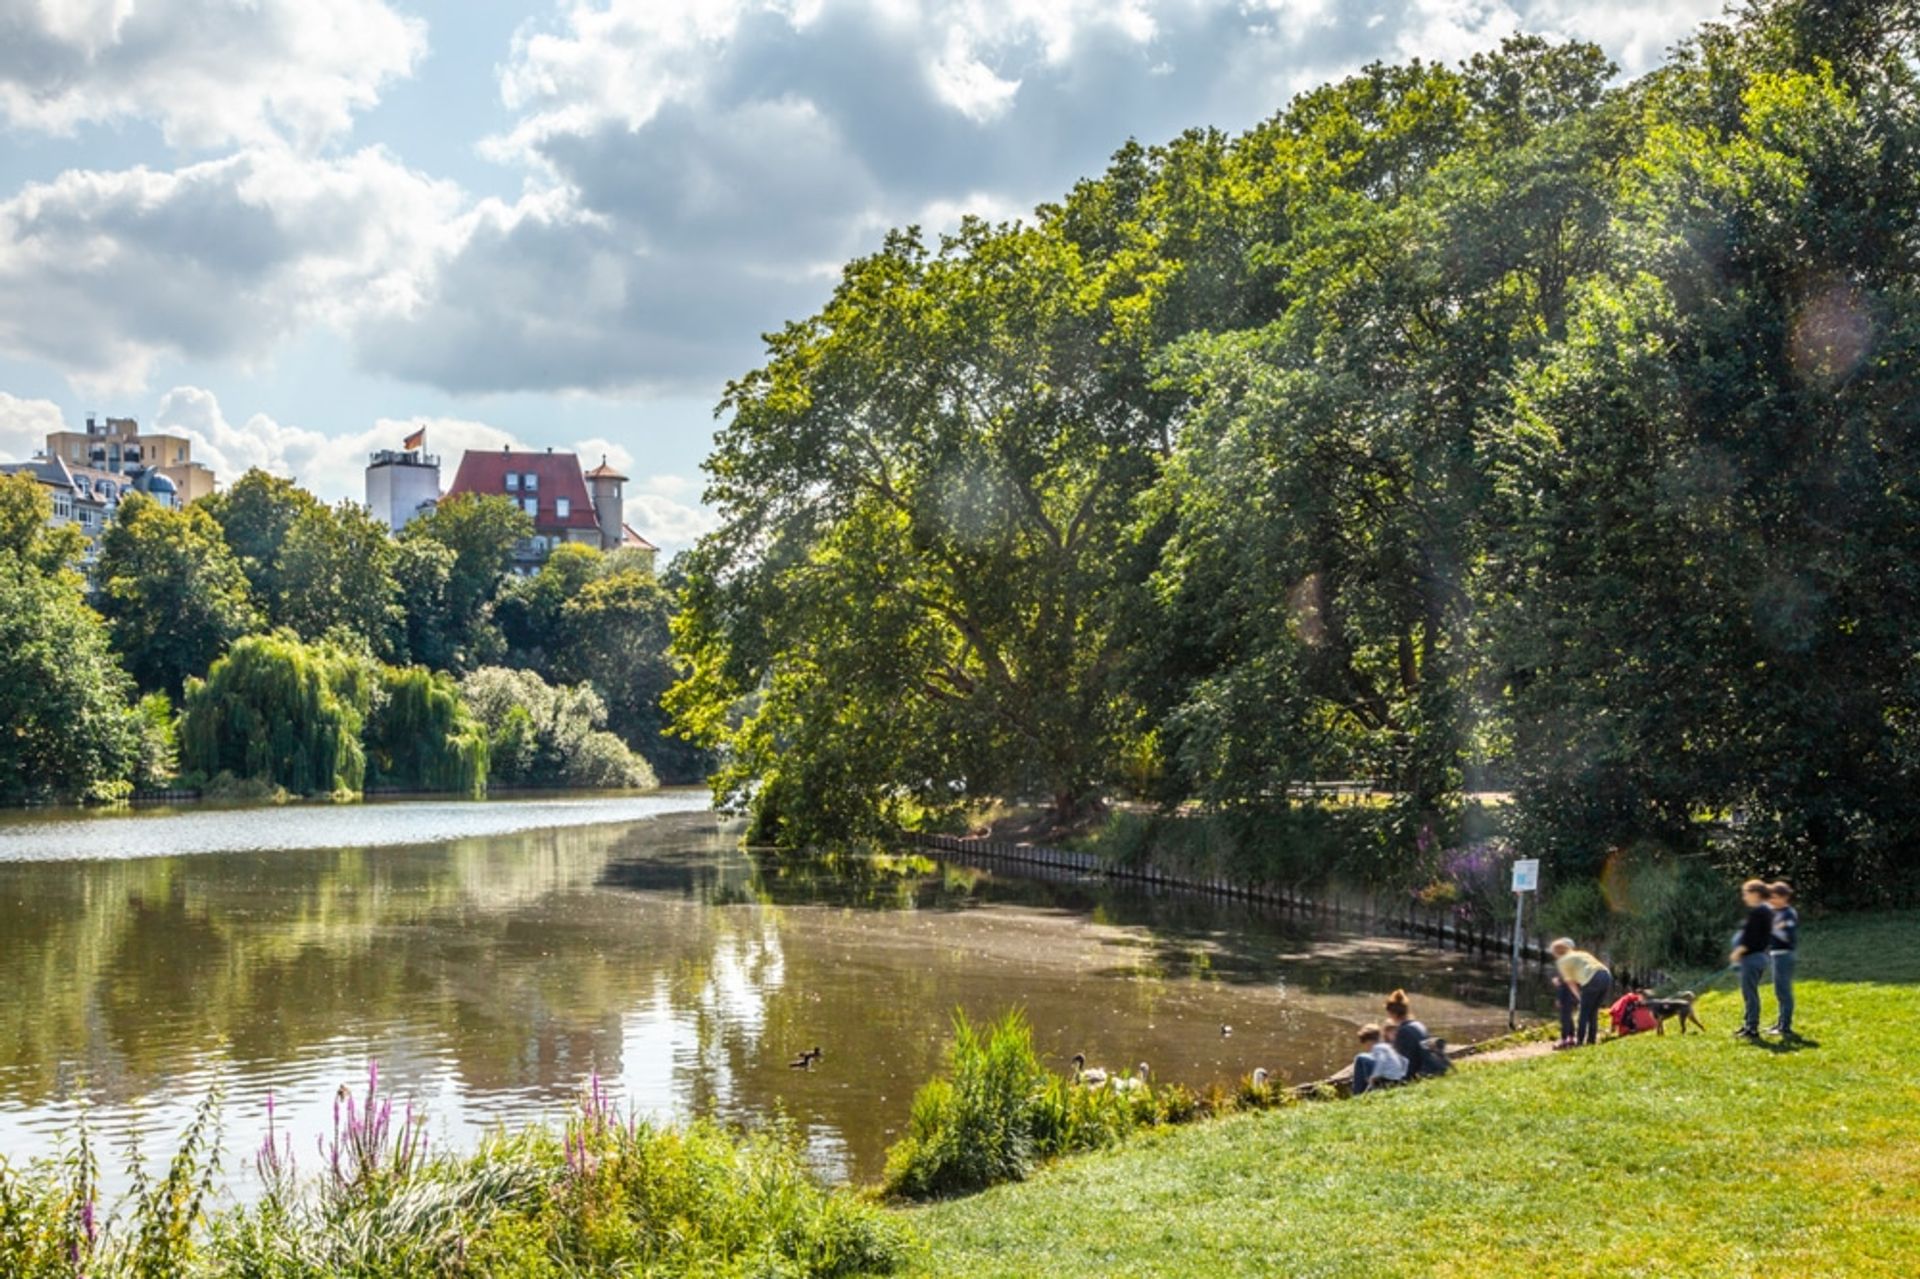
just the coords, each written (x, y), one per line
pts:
(256, 513)
(69, 732)
(924, 497)
(422, 569)
(1710, 512)
(530, 608)
(280, 711)
(173, 595)
(617, 632)
(27, 531)
(419, 735)
(480, 532)
(335, 573)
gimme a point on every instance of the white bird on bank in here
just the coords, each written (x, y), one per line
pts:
(1128, 1083)
(1260, 1076)
(1081, 1075)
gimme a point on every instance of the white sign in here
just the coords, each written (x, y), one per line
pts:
(1526, 875)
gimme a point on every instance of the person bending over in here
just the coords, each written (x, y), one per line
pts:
(1585, 974)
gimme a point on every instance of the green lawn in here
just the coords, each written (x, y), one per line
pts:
(1652, 1156)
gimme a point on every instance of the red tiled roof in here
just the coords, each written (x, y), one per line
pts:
(604, 472)
(631, 538)
(486, 473)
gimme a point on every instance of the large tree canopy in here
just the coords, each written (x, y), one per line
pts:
(173, 595)
(926, 495)
(1495, 425)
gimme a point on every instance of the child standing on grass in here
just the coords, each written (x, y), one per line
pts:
(1566, 999)
(1750, 950)
(1377, 1063)
(1781, 954)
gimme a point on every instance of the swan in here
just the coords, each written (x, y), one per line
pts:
(1128, 1083)
(1259, 1076)
(1081, 1075)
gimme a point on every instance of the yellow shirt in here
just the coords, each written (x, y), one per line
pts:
(1577, 967)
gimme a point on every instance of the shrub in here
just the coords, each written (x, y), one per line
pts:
(1667, 909)
(997, 1111)
(159, 754)
(549, 735)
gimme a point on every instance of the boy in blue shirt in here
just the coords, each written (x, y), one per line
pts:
(1783, 954)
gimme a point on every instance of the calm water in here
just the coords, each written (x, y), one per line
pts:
(490, 955)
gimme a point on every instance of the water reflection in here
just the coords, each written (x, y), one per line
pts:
(489, 974)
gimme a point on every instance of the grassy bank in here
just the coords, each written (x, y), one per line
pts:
(1652, 1156)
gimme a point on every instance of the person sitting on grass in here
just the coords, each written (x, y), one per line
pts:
(1591, 978)
(1378, 1064)
(1410, 1038)
(1750, 948)
(1781, 953)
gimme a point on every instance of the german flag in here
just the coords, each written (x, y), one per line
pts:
(417, 440)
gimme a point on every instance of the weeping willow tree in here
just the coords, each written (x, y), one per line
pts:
(280, 711)
(420, 736)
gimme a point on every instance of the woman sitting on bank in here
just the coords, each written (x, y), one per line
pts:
(1378, 1064)
(1587, 975)
(1409, 1035)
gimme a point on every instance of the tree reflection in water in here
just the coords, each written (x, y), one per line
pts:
(489, 975)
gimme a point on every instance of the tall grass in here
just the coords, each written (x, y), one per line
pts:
(998, 1111)
(602, 1194)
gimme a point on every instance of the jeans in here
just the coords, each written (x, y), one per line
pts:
(1567, 999)
(1362, 1073)
(1753, 971)
(1592, 995)
(1783, 962)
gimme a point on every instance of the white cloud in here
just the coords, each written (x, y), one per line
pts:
(25, 425)
(101, 273)
(702, 167)
(208, 72)
(670, 525)
(696, 169)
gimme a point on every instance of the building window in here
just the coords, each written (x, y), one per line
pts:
(532, 481)
(562, 507)
(531, 505)
(513, 481)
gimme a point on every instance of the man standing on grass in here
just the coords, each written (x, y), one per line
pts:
(1750, 953)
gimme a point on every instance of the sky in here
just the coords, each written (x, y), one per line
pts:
(294, 230)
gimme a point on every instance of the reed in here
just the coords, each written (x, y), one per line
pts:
(599, 1194)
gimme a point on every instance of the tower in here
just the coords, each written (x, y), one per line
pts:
(402, 483)
(604, 485)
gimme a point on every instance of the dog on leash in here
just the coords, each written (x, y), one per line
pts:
(1672, 1006)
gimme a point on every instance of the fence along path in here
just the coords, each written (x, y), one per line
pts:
(1406, 915)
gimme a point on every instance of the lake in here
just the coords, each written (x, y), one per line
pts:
(492, 955)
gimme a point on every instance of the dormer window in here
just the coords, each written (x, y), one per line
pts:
(562, 507)
(513, 481)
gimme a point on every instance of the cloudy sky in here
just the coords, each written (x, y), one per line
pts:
(292, 229)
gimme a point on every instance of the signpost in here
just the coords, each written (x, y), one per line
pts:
(1526, 879)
